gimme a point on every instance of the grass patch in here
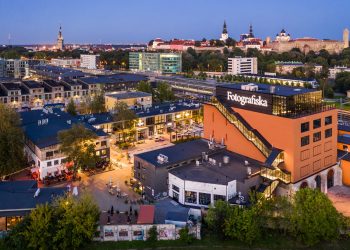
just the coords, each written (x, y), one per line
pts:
(272, 242)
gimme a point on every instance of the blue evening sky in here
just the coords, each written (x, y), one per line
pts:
(136, 21)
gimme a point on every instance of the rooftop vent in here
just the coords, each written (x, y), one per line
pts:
(246, 163)
(226, 159)
(162, 159)
(250, 87)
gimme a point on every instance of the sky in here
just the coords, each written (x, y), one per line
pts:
(138, 21)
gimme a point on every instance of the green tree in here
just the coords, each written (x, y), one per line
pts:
(124, 117)
(185, 236)
(216, 216)
(152, 234)
(164, 92)
(144, 86)
(97, 104)
(314, 218)
(342, 82)
(71, 109)
(78, 144)
(40, 229)
(77, 221)
(11, 141)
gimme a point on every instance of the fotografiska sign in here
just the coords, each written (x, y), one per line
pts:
(243, 100)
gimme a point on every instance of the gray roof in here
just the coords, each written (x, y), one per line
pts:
(176, 153)
(215, 174)
(17, 197)
(129, 94)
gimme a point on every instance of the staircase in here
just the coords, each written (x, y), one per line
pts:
(274, 156)
(270, 188)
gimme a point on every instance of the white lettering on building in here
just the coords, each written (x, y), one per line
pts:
(243, 100)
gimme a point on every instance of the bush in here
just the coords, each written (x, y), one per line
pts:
(185, 236)
(152, 234)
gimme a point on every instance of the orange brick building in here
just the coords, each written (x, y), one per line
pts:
(289, 129)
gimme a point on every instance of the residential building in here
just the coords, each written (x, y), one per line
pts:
(134, 99)
(242, 65)
(285, 68)
(336, 70)
(41, 128)
(19, 198)
(165, 63)
(17, 68)
(89, 61)
(54, 72)
(2, 68)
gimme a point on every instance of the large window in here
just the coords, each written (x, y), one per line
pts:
(328, 120)
(317, 136)
(305, 127)
(219, 197)
(191, 197)
(150, 121)
(305, 140)
(317, 123)
(204, 199)
(328, 133)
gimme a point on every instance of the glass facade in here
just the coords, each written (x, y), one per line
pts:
(167, 63)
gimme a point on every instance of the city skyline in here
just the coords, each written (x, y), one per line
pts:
(120, 22)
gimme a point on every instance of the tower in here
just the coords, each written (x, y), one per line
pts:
(60, 41)
(251, 34)
(346, 38)
(224, 34)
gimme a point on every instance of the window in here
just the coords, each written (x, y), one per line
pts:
(345, 147)
(204, 199)
(305, 140)
(103, 143)
(56, 162)
(328, 133)
(219, 197)
(176, 188)
(138, 165)
(317, 123)
(49, 163)
(49, 154)
(103, 152)
(305, 127)
(328, 120)
(191, 197)
(317, 136)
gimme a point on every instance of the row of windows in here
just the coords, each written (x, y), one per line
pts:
(316, 124)
(305, 140)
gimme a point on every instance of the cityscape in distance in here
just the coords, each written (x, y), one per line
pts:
(195, 124)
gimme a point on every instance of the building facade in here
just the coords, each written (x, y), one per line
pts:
(60, 40)
(165, 63)
(89, 61)
(336, 70)
(242, 65)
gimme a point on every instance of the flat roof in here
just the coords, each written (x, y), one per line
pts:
(128, 94)
(216, 174)
(167, 108)
(53, 83)
(280, 90)
(146, 214)
(177, 153)
(344, 128)
(345, 139)
(17, 197)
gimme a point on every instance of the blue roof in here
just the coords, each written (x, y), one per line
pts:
(176, 216)
(17, 197)
(46, 133)
(345, 139)
(280, 90)
(344, 128)
(129, 94)
(96, 119)
(115, 78)
(176, 153)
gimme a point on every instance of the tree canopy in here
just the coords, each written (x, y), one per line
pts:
(71, 109)
(11, 141)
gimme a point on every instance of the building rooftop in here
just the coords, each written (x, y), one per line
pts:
(42, 126)
(177, 153)
(129, 94)
(279, 90)
(11, 86)
(176, 216)
(114, 79)
(345, 139)
(167, 108)
(146, 214)
(53, 83)
(32, 84)
(220, 173)
(17, 197)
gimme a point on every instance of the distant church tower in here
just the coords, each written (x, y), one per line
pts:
(60, 44)
(346, 38)
(224, 34)
(251, 34)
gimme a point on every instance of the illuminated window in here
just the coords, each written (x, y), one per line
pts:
(317, 136)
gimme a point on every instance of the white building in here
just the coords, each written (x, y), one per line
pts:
(89, 61)
(242, 65)
(65, 62)
(336, 70)
(17, 68)
(134, 99)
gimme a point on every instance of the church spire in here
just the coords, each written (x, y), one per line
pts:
(224, 31)
(251, 34)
